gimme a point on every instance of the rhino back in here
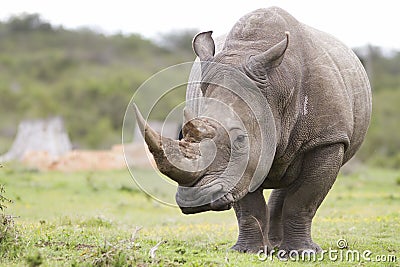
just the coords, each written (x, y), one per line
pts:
(261, 29)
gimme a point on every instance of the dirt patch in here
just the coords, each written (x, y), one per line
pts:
(76, 160)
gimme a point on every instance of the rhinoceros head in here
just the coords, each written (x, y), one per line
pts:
(229, 144)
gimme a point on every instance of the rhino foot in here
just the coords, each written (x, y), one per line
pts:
(245, 248)
(304, 249)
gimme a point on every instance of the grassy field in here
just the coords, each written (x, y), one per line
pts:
(103, 219)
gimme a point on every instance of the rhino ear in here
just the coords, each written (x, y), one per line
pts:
(204, 46)
(272, 58)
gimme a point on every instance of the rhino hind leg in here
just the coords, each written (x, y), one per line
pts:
(252, 215)
(319, 171)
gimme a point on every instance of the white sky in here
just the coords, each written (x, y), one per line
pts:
(355, 22)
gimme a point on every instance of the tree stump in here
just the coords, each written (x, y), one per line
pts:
(45, 135)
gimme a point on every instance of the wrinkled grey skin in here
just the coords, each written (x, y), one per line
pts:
(310, 118)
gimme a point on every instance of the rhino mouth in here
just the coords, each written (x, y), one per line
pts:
(218, 205)
(203, 198)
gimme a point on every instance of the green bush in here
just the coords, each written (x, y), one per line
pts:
(9, 246)
(382, 143)
(85, 77)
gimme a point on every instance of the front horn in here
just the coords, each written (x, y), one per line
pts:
(182, 161)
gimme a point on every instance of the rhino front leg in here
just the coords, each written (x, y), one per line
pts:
(275, 205)
(252, 215)
(319, 171)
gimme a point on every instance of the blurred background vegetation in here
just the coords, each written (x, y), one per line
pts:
(88, 78)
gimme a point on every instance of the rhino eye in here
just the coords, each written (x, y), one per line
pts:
(240, 138)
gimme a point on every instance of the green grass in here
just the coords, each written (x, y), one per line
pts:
(93, 218)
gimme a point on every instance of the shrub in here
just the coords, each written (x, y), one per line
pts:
(8, 233)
